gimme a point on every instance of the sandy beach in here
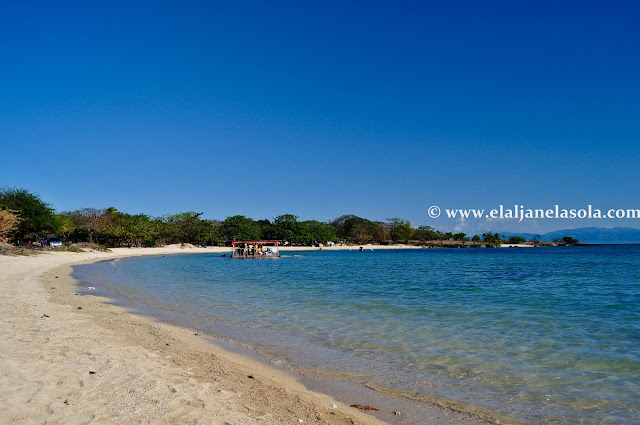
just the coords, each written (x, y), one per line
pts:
(67, 358)
(70, 359)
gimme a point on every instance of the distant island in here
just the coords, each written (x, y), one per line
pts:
(588, 235)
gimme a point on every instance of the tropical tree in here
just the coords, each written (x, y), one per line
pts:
(379, 232)
(320, 232)
(492, 238)
(240, 228)
(426, 233)
(400, 230)
(516, 239)
(90, 223)
(460, 237)
(266, 229)
(130, 230)
(211, 232)
(345, 225)
(66, 226)
(359, 230)
(37, 218)
(187, 227)
(286, 227)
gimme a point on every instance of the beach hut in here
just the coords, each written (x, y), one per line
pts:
(255, 249)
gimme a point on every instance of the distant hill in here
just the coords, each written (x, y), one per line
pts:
(615, 235)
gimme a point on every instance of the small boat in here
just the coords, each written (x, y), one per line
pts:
(255, 249)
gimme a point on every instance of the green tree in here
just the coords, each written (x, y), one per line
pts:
(399, 230)
(426, 233)
(266, 229)
(516, 239)
(568, 240)
(286, 227)
(211, 231)
(320, 232)
(37, 218)
(460, 237)
(476, 238)
(140, 230)
(345, 226)
(379, 232)
(66, 226)
(90, 224)
(356, 229)
(240, 228)
(130, 230)
(492, 238)
(187, 227)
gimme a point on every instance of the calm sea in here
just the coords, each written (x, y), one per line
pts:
(537, 334)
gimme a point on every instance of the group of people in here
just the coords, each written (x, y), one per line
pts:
(41, 242)
(254, 250)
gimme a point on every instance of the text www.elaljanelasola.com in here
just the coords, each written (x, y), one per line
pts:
(519, 212)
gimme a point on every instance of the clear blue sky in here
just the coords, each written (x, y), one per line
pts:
(379, 109)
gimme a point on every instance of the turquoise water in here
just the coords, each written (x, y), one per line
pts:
(540, 334)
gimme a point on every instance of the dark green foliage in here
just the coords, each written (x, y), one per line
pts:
(356, 229)
(460, 237)
(37, 219)
(492, 238)
(187, 227)
(427, 233)
(568, 240)
(320, 232)
(266, 229)
(240, 228)
(111, 227)
(350, 227)
(130, 230)
(286, 227)
(516, 239)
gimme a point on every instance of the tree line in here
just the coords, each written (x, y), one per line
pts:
(25, 217)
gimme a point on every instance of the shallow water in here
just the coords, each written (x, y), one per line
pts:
(538, 334)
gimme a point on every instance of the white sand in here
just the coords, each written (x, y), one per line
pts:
(145, 372)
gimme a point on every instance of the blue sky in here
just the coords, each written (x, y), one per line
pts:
(379, 109)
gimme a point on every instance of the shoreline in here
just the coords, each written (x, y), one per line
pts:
(200, 379)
